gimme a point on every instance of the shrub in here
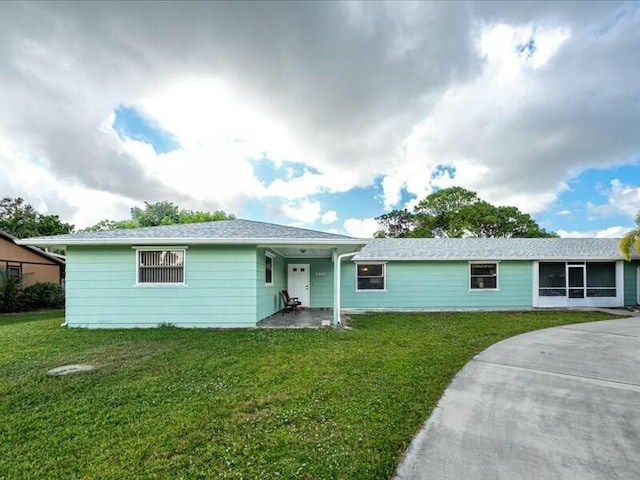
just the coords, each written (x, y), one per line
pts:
(15, 298)
(11, 296)
(43, 295)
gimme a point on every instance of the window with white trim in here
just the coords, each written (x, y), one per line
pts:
(161, 266)
(483, 276)
(370, 276)
(268, 269)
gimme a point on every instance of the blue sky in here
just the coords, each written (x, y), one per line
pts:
(323, 114)
(129, 123)
(587, 204)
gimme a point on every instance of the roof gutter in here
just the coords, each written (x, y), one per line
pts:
(580, 258)
(190, 241)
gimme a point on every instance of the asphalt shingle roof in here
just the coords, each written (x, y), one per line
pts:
(252, 232)
(491, 249)
(216, 232)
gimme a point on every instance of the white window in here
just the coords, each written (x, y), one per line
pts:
(483, 276)
(370, 276)
(161, 266)
(268, 269)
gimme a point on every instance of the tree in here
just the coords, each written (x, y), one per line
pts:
(395, 224)
(153, 214)
(160, 213)
(631, 241)
(444, 213)
(485, 220)
(457, 212)
(21, 220)
(107, 224)
(189, 216)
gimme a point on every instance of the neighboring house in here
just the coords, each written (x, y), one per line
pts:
(30, 264)
(230, 273)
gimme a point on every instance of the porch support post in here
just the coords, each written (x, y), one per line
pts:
(336, 287)
(337, 259)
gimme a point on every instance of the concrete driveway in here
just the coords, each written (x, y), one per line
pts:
(561, 403)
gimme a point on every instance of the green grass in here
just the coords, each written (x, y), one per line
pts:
(177, 403)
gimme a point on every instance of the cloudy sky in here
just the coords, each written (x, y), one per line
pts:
(323, 115)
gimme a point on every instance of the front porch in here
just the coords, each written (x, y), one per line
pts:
(310, 273)
(305, 318)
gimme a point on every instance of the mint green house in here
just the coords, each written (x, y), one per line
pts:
(491, 273)
(229, 274)
(224, 274)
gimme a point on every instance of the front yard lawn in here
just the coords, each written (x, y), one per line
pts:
(177, 403)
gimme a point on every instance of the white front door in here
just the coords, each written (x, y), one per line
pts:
(298, 282)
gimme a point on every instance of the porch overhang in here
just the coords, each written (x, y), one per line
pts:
(312, 250)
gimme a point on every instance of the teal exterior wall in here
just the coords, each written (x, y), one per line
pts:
(439, 286)
(268, 296)
(225, 287)
(321, 280)
(220, 289)
(321, 283)
(631, 283)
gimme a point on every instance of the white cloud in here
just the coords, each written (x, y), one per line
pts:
(510, 49)
(469, 125)
(622, 199)
(207, 111)
(361, 227)
(610, 232)
(516, 137)
(391, 188)
(77, 204)
(304, 211)
(329, 217)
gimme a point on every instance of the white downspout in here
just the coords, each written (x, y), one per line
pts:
(336, 285)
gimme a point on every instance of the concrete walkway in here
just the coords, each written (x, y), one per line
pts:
(561, 403)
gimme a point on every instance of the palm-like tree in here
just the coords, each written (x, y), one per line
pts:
(631, 240)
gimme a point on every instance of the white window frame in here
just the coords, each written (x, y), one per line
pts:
(161, 248)
(384, 277)
(272, 257)
(488, 262)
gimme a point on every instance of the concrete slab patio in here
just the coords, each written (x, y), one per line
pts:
(304, 318)
(560, 403)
